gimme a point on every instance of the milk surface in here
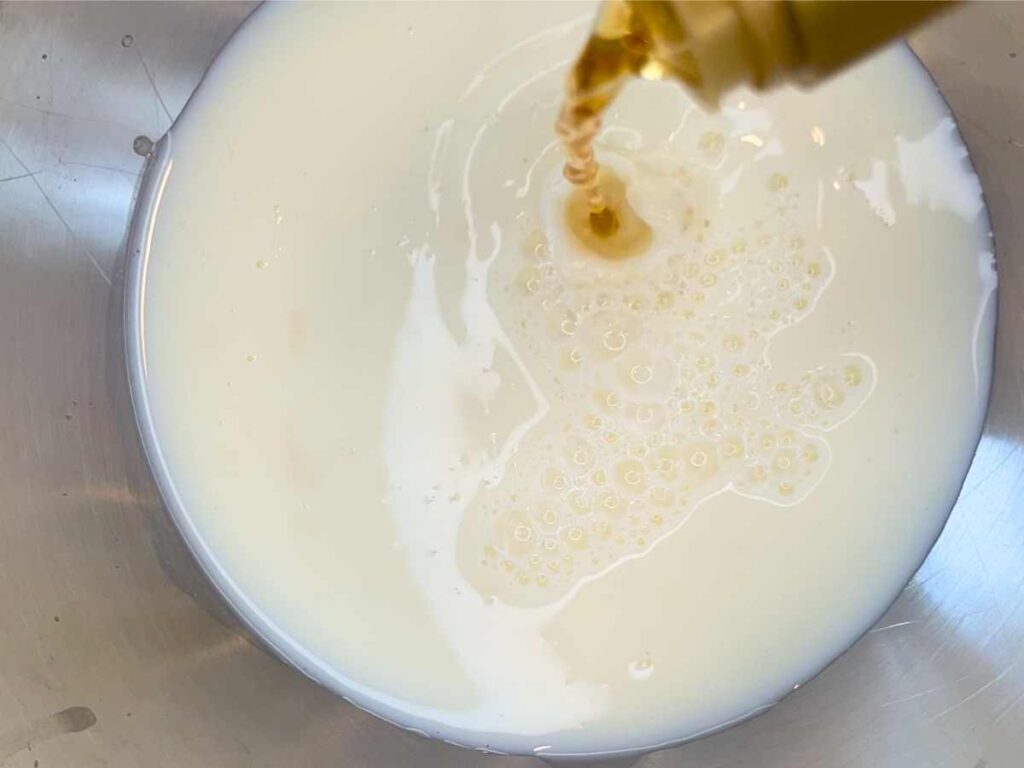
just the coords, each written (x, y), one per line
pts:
(497, 489)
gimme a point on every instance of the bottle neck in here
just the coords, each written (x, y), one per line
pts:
(714, 46)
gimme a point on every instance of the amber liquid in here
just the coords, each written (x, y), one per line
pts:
(599, 214)
(628, 235)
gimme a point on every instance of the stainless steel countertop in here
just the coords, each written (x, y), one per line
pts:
(113, 649)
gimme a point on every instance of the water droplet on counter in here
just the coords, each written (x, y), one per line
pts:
(143, 145)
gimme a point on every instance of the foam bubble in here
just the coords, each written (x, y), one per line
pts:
(668, 396)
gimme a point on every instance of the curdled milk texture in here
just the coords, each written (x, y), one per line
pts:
(498, 489)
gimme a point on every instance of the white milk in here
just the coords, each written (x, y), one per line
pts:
(510, 494)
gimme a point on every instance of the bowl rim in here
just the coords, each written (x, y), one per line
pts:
(391, 709)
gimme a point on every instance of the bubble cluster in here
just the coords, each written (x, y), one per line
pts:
(828, 395)
(661, 387)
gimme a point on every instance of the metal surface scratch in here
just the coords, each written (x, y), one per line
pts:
(57, 213)
(905, 699)
(64, 115)
(16, 178)
(70, 720)
(152, 82)
(893, 626)
(977, 693)
(111, 168)
(1009, 708)
(975, 485)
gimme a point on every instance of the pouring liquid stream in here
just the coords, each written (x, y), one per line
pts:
(599, 214)
(755, 43)
(621, 47)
